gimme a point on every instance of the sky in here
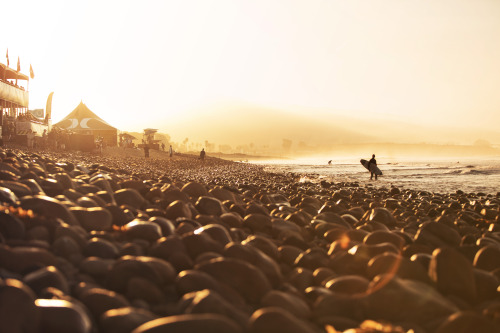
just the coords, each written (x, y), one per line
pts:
(161, 64)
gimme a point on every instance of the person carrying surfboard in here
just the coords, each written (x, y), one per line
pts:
(374, 162)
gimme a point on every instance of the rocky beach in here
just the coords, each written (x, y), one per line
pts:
(115, 242)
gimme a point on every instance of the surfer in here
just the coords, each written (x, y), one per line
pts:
(330, 162)
(374, 162)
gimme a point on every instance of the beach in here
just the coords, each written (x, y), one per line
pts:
(116, 242)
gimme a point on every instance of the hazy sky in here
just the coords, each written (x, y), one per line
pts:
(147, 63)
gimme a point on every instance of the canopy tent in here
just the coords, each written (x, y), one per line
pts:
(8, 73)
(83, 121)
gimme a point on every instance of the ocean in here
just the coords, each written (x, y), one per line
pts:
(470, 175)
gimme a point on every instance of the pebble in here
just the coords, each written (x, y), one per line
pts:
(117, 243)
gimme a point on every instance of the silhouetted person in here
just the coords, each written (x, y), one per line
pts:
(162, 146)
(330, 162)
(202, 154)
(170, 151)
(146, 151)
(374, 162)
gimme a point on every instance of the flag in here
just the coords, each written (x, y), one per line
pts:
(18, 65)
(32, 74)
(7, 55)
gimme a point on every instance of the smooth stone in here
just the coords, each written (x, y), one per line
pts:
(166, 246)
(18, 313)
(288, 254)
(67, 248)
(257, 258)
(301, 278)
(322, 275)
(209, 301)
(134, 184)
(198, 243)
(291, 303)
(96, 267)
(452, 273)
(119, 216)
(9, 168)
(10, 226)
(487, 258)
(487, 285)
(232, 220)
(380, 236)
(33, 186)
(76, 232)
(348, 284)
(256, 208)
(223, 195)
(264, 244)
(398, 300)
(7, 175)
(312, 259)
(171, 195)
(437, 235)
(258, 222)
(86, 202)
(273, 319)
(194, 280)
(382, 215)
(142, 289)
(95, 218)
(61, 316)
(333, 219)
(194, 190)
(21, 259)
(48, 207)
(99, 300)
(7, 196)
(177, 209)
(137, 229)
(217, 232)
(391, 263)
(101, 248)
(18, 188)
(369, 251)
(332, 304)
(467, 321)
(245, 278)
(158, 271)
(210, 206)
(52, 187)
(130, 197)
(167, 226)
(124, 320)
(186, 323)
(64, 180)
(46, 277)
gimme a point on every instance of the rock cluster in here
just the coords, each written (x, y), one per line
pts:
(108, 244)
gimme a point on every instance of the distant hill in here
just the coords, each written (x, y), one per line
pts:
(244, 124)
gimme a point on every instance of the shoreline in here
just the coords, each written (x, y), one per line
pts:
(128, 244)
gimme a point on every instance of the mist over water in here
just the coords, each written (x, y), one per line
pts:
(471, 175)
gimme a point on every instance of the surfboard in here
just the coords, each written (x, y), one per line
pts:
(373, 168)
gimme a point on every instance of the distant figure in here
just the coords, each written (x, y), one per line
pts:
(330, 162)
(146, 151)
(170, 151)
(202, 154)
(162, 146)
(370, 162)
